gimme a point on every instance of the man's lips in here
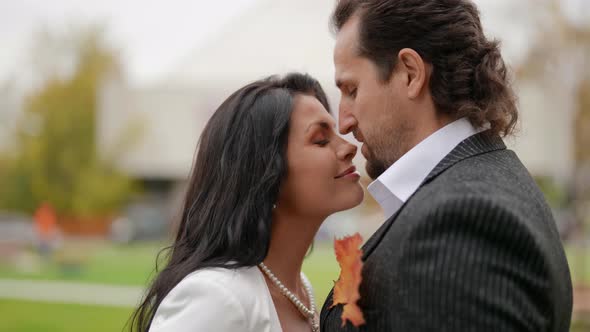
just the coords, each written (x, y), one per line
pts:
(349, 170)
(358, 136)
(365, 151)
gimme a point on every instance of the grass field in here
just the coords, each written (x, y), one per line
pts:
(579, 262)
(23, 316)
(98, 263)
(133, 265)
(121, 265)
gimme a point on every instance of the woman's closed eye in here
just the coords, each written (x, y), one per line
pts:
(323, 142)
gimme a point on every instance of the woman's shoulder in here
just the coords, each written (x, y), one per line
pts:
(240, 282)
(224, 275)
(219, 298)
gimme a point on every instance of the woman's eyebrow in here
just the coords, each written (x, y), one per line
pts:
(322, 123)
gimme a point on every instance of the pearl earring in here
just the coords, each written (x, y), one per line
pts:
(274, 206)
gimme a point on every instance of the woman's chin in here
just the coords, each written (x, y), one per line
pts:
(353, 199)
(360, 196)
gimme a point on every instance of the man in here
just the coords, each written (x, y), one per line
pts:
(470, 243)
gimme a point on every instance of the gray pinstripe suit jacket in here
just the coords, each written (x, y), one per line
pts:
(474, 249)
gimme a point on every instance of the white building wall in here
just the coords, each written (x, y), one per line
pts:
(277, 36)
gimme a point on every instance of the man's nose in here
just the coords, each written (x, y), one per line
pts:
(346, 121)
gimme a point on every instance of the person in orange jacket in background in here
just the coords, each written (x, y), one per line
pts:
(46, 228)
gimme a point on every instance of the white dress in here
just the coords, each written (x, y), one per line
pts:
(220, 300)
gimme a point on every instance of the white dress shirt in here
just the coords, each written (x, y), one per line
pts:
(220, 300)
(393, 188)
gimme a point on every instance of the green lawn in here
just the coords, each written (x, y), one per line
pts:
(23, 316)
(321, 268)
(125, 265)
(133, 265)
(100, 263)
(579, 262)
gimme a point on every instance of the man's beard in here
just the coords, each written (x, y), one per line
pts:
(374, 166)
(381, 156)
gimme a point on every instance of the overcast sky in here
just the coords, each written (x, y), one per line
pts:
(153, 35)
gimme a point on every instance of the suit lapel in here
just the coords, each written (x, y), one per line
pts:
(367, 249)
(372, 242)
(326, 310)
(475, 145)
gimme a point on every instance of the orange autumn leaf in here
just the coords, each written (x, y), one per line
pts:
(346, 289)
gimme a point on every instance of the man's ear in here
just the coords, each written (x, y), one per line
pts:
(415, 69)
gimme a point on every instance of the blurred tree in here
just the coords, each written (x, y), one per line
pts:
(56, 158)
(564, 39)
(582, 152)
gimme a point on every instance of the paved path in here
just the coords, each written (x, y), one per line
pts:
(70, 292)
(129, 296)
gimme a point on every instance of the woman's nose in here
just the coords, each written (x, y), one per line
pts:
(347, 151)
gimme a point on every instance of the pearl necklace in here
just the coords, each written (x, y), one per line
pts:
(308, 313)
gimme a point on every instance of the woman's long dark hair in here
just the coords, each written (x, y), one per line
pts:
(239, 167)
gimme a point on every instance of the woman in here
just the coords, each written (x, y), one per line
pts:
(269, 169)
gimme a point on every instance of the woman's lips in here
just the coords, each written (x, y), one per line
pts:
(347, 173)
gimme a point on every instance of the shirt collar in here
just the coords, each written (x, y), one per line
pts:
(402, 179)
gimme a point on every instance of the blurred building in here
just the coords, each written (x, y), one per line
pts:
(269, 37)
(278, 36)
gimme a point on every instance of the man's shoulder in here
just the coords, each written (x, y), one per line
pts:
(495, 183)
(497, 176)
(486, 167)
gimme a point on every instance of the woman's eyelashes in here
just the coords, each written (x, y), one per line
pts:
(320, 138)
(322, 135)
(322, 142)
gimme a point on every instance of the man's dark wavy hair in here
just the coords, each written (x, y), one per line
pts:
(469, 77)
